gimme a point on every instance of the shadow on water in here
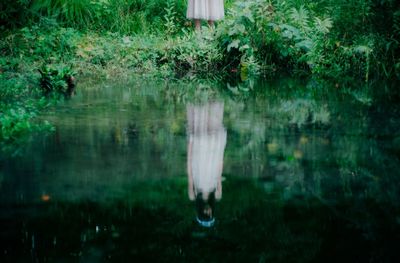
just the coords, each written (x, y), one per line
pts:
(308, 175)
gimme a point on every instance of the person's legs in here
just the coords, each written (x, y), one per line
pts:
(197, 24)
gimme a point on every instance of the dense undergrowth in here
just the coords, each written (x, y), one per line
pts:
(330, 39)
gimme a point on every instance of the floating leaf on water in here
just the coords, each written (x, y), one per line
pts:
(45, 198)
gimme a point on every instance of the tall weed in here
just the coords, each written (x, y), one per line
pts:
(70, 12)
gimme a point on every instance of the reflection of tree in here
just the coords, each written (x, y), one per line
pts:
(305, 111)
(301, 142)
(101, 144)
(269, 140)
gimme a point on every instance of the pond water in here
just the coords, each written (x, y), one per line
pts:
(303, 174)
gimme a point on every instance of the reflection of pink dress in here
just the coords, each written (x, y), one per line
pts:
(207, 136)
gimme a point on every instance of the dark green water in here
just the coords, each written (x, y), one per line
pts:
(308, 176)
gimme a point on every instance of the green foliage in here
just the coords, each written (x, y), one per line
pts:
(19, 105)
(301, 37)
(272, 35)
(146, 15)
(235, 35)
(353, 14)
(45, 41)
(71, 12)
(170, 18)
(193, 52)
(256, 36)
(371, 22)
(59, 80)
(8, 64)
(12, 87)
(125, 16)
(14, 123)
(326, 37)
(13, 13)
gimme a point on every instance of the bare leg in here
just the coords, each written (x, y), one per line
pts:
(197, 24)
(211, 23)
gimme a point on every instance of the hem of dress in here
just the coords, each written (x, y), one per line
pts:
(205, 18)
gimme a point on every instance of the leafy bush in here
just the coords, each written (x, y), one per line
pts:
(60, 80)
(272, 34)
(14, 123)
(12, 88)
(192, 52)
(259, 35)
(45, 41)
(13, 13)
(19, 105)
(305, 37)
(237, 37)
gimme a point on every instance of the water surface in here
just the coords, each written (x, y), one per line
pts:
(309, 175)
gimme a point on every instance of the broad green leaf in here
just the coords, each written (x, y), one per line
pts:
(234, 44)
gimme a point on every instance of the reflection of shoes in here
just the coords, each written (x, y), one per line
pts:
(206, 223)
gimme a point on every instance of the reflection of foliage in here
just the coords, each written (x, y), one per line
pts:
(304, 144)
(301, 112)
(135, 145)
(324, 151)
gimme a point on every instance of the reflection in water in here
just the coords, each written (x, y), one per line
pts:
(206, 145)
(315, 175)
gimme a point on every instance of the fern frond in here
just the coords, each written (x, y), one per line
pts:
(323, 26)
(300, 17)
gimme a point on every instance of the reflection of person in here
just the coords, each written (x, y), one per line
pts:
(210, 10)
(206, 145)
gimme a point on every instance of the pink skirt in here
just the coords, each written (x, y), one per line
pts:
(205, 9)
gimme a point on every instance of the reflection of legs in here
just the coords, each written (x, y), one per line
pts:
(208, 211)
(190, 119)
